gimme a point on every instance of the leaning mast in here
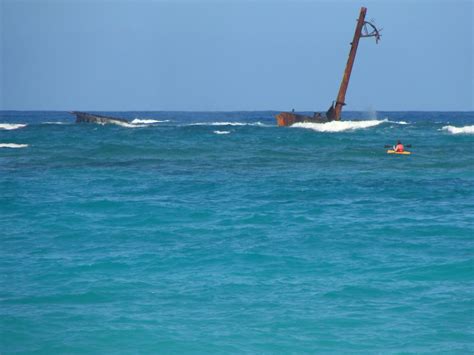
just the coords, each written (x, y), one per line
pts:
(341, 96)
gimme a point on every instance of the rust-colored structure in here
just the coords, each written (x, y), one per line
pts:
(334, 112)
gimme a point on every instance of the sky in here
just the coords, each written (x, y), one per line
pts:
(209, 55)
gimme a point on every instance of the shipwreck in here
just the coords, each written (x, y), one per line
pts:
(363, 29)
(84, 117)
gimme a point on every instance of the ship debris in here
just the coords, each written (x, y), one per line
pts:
(363, 29)
(84, 117)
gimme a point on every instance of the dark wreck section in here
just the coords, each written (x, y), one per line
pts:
(84, 117)
(289, 118)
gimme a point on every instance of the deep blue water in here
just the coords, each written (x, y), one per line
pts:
(186, 236)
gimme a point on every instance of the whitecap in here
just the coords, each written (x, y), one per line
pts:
(338, 126)
(10, 126)
(399, 122)
(229, 124)
(13, 145)
(56, 123)
(124, 124)
(147, 121)
(127, 124)
(221, 132)
(459, 130)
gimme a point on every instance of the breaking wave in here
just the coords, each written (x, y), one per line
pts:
(10, 126)
(56, 123)
(137, 123)
(459, 130)
(398, 122)
(147, 121)
(229, 124)
(128, 125)
(338, 126)
(221, 132)
(13, 145)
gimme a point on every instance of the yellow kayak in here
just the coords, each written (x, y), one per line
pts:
(390, 151)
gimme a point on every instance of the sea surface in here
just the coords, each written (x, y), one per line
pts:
(218, 232)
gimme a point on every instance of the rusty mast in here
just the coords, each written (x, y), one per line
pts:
(363, 29)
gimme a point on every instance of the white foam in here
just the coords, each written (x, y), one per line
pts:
(121, 124)
(56, 122)
(146, 121)
(136, 123)
(338, 126)
(459, 130)
(229, 124)
(13, 145)
(399, 122)
(221, 132)
(128, 125)
(10, 126)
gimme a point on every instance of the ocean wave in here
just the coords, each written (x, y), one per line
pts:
(147, 121)
(338, 126)
(13, 145)
(221, 132)
(136, 123)
(56, 123)
(398, 122)
(229, 124)
(128, 124)
(10, 126)
(459, 130)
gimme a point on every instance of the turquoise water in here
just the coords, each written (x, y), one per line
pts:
(194, 235)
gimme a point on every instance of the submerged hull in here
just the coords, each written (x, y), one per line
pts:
(289, 118)
(84, 117)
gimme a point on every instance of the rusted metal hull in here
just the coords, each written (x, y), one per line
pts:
(290, 118)
(84, 117)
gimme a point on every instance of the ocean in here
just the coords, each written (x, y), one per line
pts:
(218, 232)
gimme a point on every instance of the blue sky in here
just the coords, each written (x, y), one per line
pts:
(233, 55)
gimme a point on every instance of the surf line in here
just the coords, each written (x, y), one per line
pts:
(84, 117)
(13, 145)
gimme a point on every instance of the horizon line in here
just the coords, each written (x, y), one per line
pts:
(272, 110)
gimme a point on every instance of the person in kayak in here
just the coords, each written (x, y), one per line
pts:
(399, 147)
